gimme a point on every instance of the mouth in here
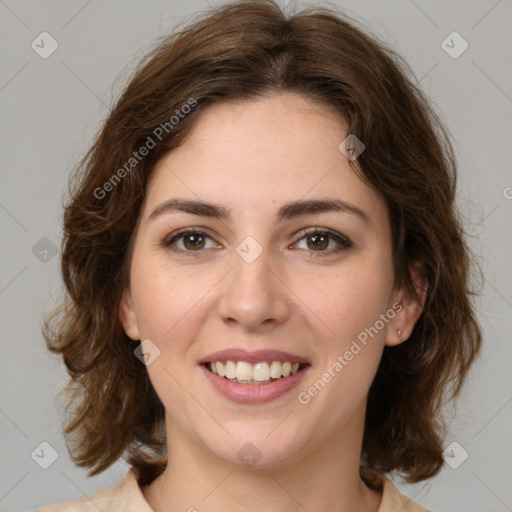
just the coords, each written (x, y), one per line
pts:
(263, 372)
(254, 377)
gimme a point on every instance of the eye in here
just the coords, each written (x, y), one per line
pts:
(319, 240)
(189, 240)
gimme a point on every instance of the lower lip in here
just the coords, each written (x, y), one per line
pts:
(253, 393)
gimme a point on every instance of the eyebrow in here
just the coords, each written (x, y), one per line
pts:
(286, 212)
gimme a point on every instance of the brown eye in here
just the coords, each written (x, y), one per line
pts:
(319, 241)
(193, 241)
(189, 241)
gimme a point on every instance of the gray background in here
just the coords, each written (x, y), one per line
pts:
(52, 107)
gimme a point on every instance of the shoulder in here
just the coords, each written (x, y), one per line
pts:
(392, 499)
(125, 496)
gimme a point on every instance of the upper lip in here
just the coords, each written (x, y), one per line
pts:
(257, 356)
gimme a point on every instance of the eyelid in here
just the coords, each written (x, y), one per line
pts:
(191, 229)
(320, 229)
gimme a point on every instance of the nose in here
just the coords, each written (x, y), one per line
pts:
(254, 295)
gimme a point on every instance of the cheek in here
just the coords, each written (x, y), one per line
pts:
(352, 300)
(352, 306)
(170, 310)
(171, 304)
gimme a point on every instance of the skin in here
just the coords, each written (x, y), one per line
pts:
(251, 157)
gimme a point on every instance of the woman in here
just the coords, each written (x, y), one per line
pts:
(268, 297)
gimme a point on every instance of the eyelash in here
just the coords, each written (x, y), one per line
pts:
(343, 241)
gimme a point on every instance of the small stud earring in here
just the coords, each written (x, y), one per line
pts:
(398, 333)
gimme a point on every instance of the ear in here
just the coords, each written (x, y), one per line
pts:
(127, 315)
(407, 308)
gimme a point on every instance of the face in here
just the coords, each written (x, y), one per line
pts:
(286, 259)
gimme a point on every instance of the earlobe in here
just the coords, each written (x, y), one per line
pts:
(411, 307)
(127, 315)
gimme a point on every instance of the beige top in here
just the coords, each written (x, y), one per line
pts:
(126, 496)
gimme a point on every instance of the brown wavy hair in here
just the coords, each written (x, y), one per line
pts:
(244, 50)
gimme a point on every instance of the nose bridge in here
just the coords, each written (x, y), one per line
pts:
(253, 294)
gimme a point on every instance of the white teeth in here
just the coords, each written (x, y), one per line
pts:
(220, 369)
(275, 369)
(260, 372)
(243, 370)
(230, 370)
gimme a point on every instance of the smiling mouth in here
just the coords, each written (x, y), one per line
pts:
(242, 372)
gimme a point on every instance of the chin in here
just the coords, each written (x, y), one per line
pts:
(252, 446)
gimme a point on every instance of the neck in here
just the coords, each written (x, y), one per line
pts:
(323, 477)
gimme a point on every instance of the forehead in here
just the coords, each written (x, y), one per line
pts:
(256, 155)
